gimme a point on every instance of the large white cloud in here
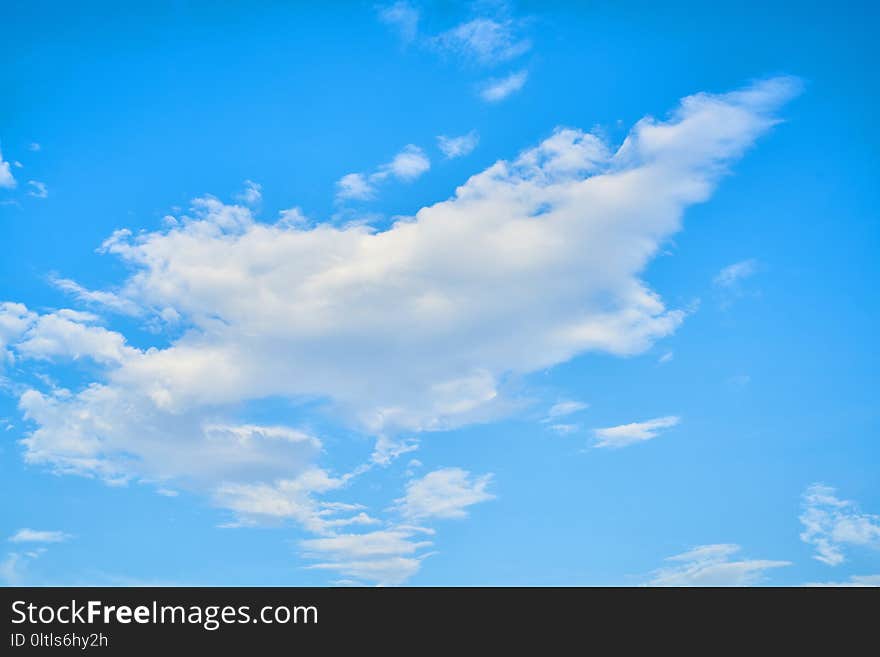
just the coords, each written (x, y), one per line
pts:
(409, 329)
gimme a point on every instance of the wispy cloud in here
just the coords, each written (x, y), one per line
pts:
(832, 524)
(404, 18)
(731, 275)
(713, 565)
(252, 193)
(407, 165)
(444, 493)
(635, 432)
(386, 556)
(460, 146)
(38, 536)
(565, 407)
(109, 300)
(38, 189)
(499, 89)
(855, 581)
(484, 41)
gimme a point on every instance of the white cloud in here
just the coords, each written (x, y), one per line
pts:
(483, 40)
(15, 319)
(410, 163)
(387, 556)
(499, 89)
(252, 193)
(566, 407)
(403, 17)
(732, 274)
(71, 334)
(853, 581)
(831, 524)
(34, 147)
(428, 303)
(635, 432)
(12, 569)
(444, 493)
(711, 565)
(109, 300)
(7, 180)
(38, 536)
(38, 189)
(398, 331)
(292, 499)
(293, 218)
(666, 358)
(407, 329)
(460, 146)
(354, 186)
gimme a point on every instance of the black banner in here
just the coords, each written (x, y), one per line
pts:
(129, 621)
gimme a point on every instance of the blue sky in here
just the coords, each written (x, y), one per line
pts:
(439, 294)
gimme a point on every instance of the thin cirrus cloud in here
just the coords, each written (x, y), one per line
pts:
(387, 556)
(634, 432)
(14, 568)
(713, 565)
(565, 408)
(38, 189)
(497, 90)
(407, 165)
(731, 275)
(391, 555)
(482, 40)
(101, 298)
(26, 535)
(453, 147)
(831, 525)
(404, 18)
(855, 581)
(400, 331)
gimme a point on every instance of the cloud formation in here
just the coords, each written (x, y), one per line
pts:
(410, 163)
(404, 18)
(831, 525)
(460, 146)
(635, 432)
(7, 180)
(712, 565)
(396, 332)
(483, 40)
(38, 536)
(499, 89)
(38, 189)
(732, 274)
(444, 493)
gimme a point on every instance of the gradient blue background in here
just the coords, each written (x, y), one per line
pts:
(139, 109)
